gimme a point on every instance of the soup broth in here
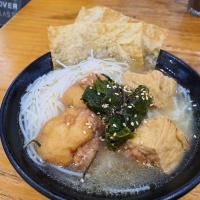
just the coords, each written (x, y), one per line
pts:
(110, 172)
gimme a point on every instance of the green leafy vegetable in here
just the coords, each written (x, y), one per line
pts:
(121, 109)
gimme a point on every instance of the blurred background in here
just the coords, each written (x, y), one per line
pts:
(8, 8)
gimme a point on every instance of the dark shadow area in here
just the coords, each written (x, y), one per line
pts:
(9, 8)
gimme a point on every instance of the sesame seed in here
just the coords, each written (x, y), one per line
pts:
(145, 121)
(137, 123)
(126, 89)
(129, 106)
(194, 105)
(124, 124)
(117, 94)
(82, 180)
(147, 97)
(101, 139)
(84, 132)
(68, 123)
(148, 165)
(89, 126)
(137, 96)
(90, 87)
(108, 86)
(92, 115)
(98, 113)
(111, 137)
(151, 104)
(109, 99)
(135, 115)
(98, 93)
(114, 86)
(132, 123)
(194, 136)
(105, 105)
(114, 134)
(114, 125)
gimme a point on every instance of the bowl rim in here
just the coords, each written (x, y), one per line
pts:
(172, 195)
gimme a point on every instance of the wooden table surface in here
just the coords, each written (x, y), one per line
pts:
(24, 38)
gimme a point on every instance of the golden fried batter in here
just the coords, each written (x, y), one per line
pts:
(159, 143)
(161, 87)
(72, 96)
(63, 135)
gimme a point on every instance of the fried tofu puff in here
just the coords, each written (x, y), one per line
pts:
(61, 136)
(72, 96)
